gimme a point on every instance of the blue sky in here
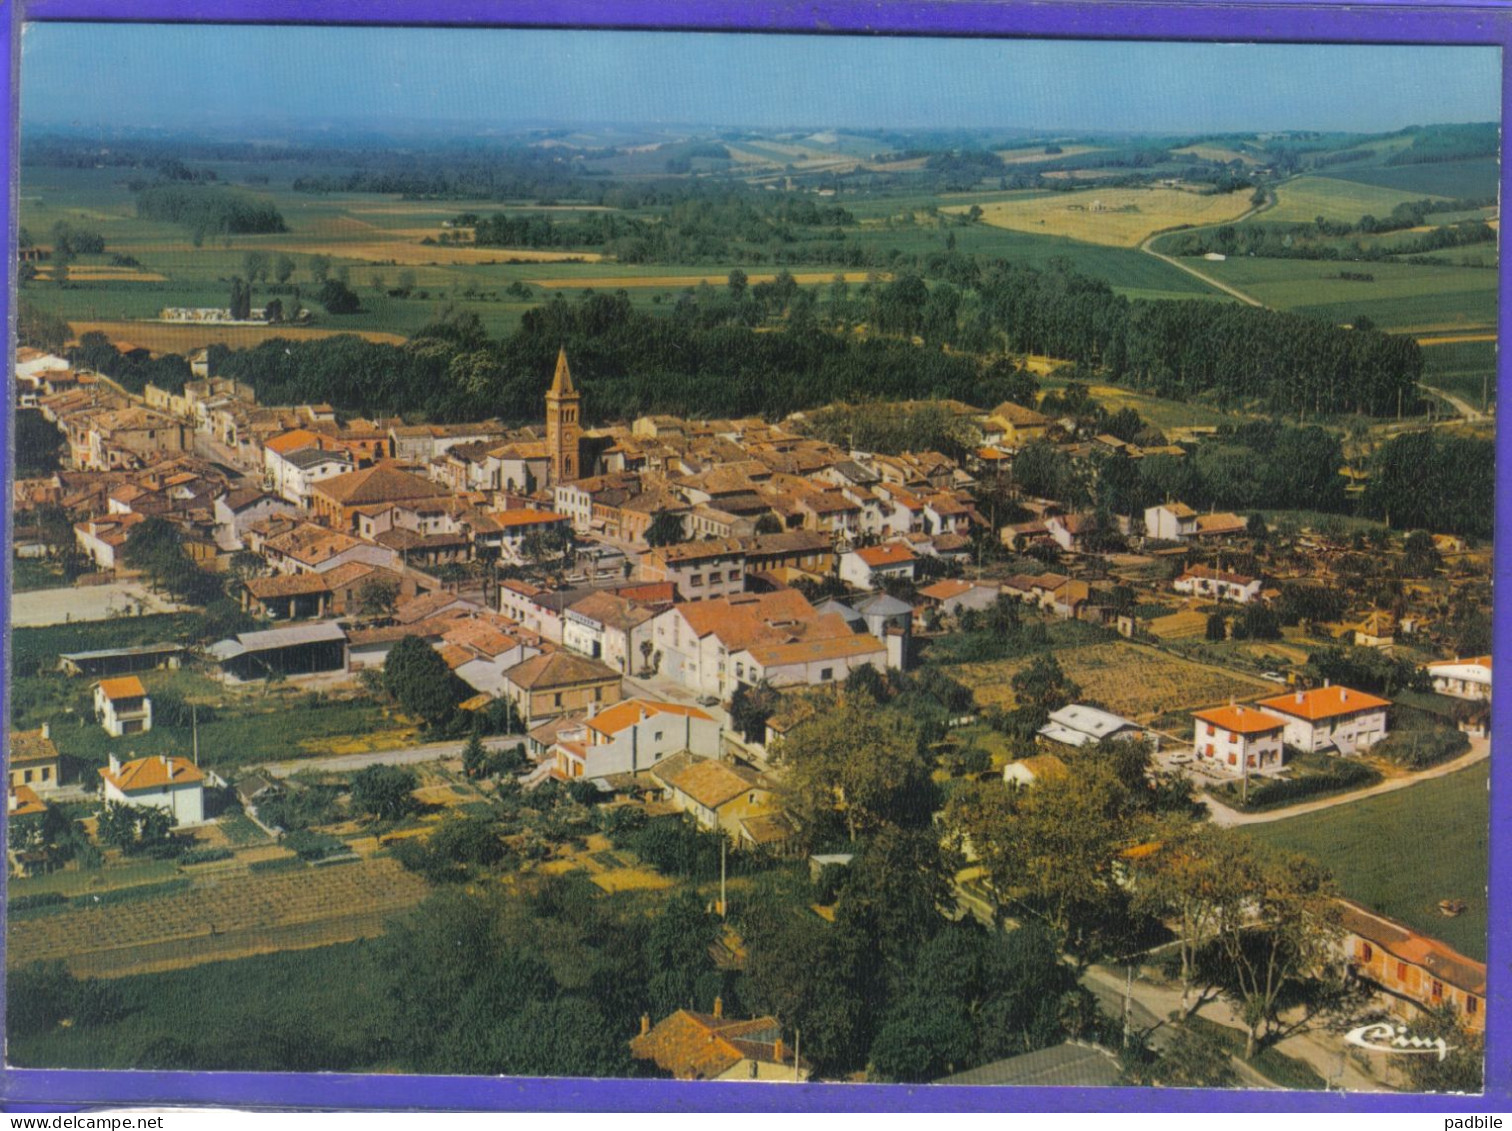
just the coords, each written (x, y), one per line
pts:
(186, 75)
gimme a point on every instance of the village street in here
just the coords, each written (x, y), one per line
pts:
(1322, 1050)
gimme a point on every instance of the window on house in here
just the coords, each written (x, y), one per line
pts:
(1367, 952)
(1233, 759)
(1210, 730)
(26, 777)
(1401, 971)
(557, 699)
(658, 736)
(826, 674)
(1471, 1004)
(1438, 990)
(695, 579)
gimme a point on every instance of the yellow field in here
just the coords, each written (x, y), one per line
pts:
(1120, 217)
(1451, 339)
(1037, 153)
(1217, 153)
(411, 253)
(609, 282)
(1133, 680)
(162, 337)
(106, 275)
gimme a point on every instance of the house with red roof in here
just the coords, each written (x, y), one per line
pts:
(1416, 973)
(122, 706)
(159, 782)
(707, 1046)
(1338, 719)
(631, 737)
(1238, 740)
(870, 566)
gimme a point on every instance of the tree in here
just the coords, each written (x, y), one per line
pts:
(1051, 848)
(377, 597)
(1043, 686)
(385, 792)
(737, 283)
(255, 264)
(859, 764)
(1462, 1070)
(1192, 881)
(320, 267)
(474, 757)
(768, 524)
(283, 268)
(241, 299)
(666, 529)
(1278, 936)
(338, 298)
(750, 707)
(1217, 628)
(420, 682)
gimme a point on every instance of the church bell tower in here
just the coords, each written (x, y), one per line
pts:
(564, 427)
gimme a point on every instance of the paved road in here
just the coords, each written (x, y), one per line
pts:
(1480, 749)
(405, 756)
(1321, 1049)
(70, 604)
(1148, 248)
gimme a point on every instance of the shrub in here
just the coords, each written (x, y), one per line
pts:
(205, 855)
(277, 864)
(1418, 749)
(38, 899)
(1339, 776)
(309, 845)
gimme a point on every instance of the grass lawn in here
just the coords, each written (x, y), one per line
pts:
(1282, 1070)
(1478, 177)
(1400, 853)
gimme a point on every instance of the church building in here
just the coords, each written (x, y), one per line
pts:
(564, 428)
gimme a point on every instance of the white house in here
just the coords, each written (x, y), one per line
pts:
(1202, 581)
(1463, 679)
(1238, 740)
(1170, 522)
(609, 628)
(1337, 717)
(122, 706)
(308, 466)
(633, 736)
(158, 782)
(806, 663)
(1080, 725)
(870, 566)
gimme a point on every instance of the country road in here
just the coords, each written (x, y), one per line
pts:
(1148, 248)
(1480, 750)
(1472, 415)
(404, 756)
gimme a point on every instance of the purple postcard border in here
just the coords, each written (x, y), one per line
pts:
(1256, 20)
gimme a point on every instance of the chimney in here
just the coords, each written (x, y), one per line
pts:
(1328, 683)
(46, 730)
(12, 800)
(1299, 696)
(1343, 695)
(645, 1024)
(778, 1050)
(115, 763)
(167, 765)
(718, 1006)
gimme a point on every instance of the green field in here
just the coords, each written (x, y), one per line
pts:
(1306, 198)
(1466, 369)
(1400, 296)
(376, 237)
(1457, 179)
(304, 1009)
(1402, 852)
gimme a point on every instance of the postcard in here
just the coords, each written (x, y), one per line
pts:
(698, 555)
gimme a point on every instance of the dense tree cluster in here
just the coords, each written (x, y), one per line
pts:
(208, 211)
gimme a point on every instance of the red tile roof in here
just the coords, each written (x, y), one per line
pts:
(1323, 703)
(126, 687)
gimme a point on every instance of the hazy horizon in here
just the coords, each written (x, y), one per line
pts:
(182, 78)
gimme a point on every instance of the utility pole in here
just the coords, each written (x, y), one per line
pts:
(194, 727)
(797, 1044)
(722, 844)
(1128, 1005)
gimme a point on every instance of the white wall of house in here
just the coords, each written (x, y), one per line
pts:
(1347, 732)
(186, 803)
(643, 744)
(123, 716)
(1233, 753)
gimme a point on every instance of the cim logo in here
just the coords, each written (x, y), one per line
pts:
(1388, 1038)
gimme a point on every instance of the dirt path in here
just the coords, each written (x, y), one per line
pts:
(404, 756)
(1480, 749)
(1463, 407)
(1454, 339)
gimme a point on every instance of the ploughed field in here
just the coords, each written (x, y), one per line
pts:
(231, 915)
(1119, 217)
(1132, 680)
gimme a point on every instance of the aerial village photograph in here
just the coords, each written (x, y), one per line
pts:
(622, 554)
